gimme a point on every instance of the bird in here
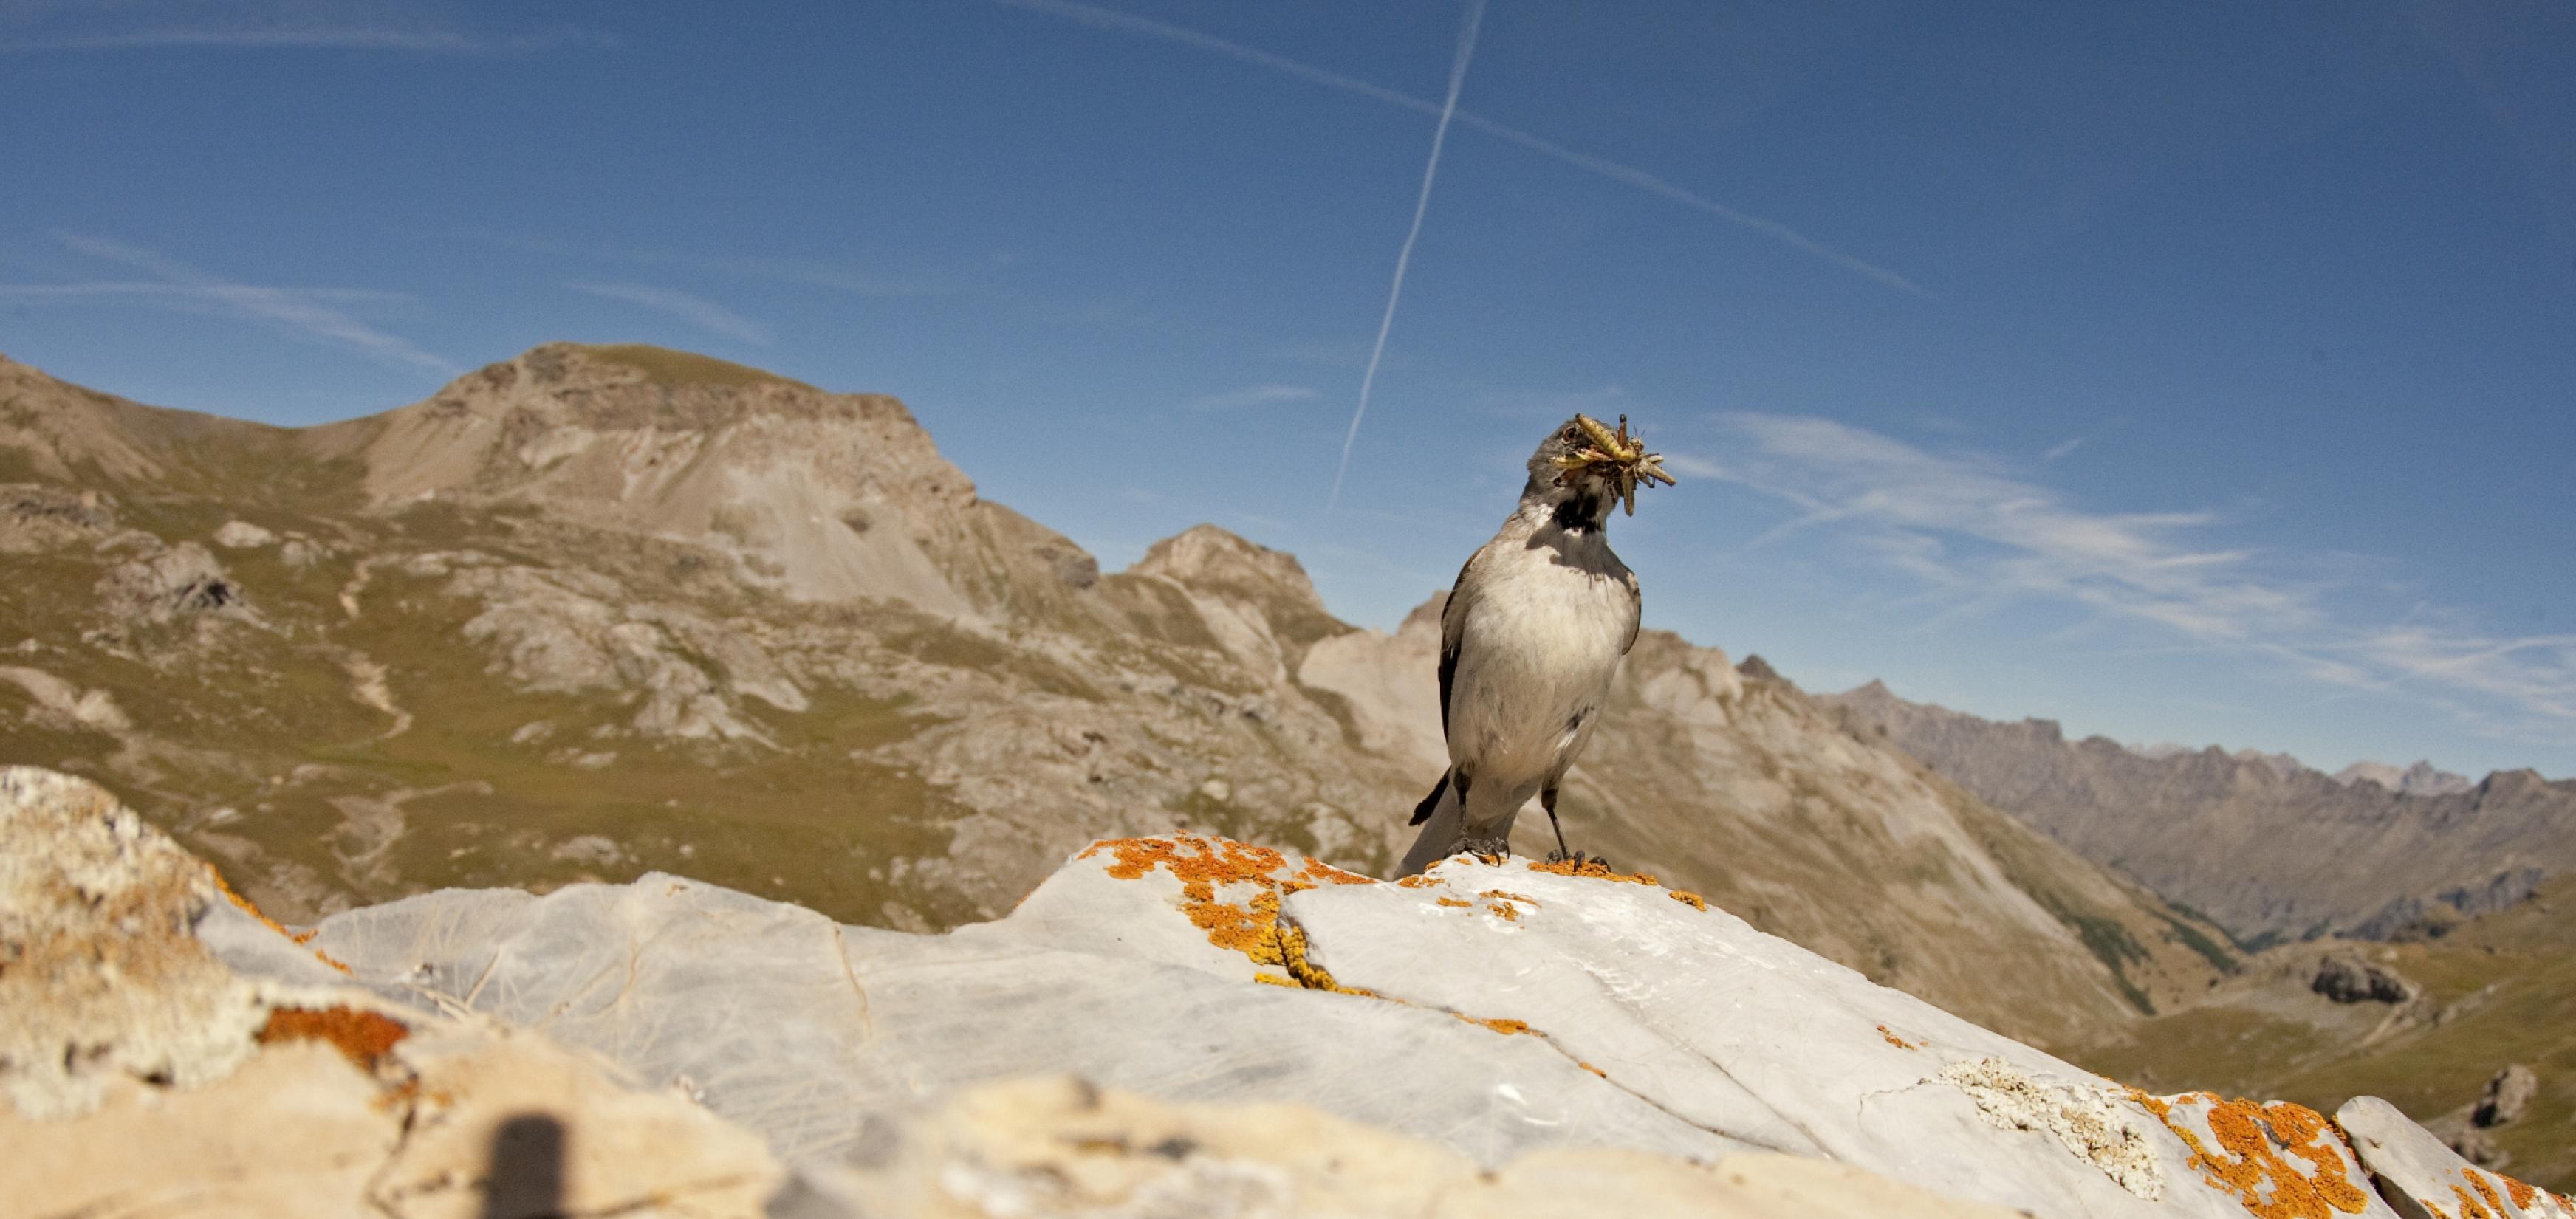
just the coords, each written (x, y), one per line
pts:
(1532, 636)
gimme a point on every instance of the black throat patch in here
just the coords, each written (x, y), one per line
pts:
(1579, 514)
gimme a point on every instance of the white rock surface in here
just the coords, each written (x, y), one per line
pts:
(1493, 1011)
(2425, 1179)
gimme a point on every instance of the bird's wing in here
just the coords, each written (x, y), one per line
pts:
(1636, 609)
(1453, 627)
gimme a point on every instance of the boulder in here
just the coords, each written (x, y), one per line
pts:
(2423, 1179)
(2506, 1096)
(2345, 978)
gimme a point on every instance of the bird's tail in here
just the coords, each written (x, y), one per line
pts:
(1442, 816)
(1422, 811)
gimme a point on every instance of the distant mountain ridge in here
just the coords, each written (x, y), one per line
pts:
(2270, 849)
(594, 611)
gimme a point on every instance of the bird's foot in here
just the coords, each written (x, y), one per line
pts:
(1492, 850)
(1580, 860)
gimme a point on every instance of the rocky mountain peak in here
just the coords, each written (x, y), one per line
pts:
(1213, 561)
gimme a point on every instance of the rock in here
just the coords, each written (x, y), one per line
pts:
(1056, 1146)
(2506, 1096)
(34, 517)
(2424, 1179)
(172, 582)
(100, 976)
(242, 535)
(1501, 1016)
(457, 1123)
(2345, 978)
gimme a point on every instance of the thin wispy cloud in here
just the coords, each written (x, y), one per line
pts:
(1979, 537)
(1251, 396)
(1404, 256)
(695, 310)
(257, 25)
(2062, 450)
(304, 313)
(1106, 19)
(153, 290)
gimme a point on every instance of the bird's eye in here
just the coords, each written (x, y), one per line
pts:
(1573, 434)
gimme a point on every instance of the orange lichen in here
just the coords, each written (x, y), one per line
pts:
(1508, 1028)
(2486, 1192)
(1894, 1040)
(1317, 870)
(1421, 881)
(300, 937)
(1459, 902)
(364, 1037)
(1593, 869)
(1595, 1070)
(1254, 928)
(2469, 1208)
(1692, 900)
(2521, 1193)
(1500, 904)
(2246, 1165)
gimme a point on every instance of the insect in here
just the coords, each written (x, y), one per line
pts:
(1625, 455)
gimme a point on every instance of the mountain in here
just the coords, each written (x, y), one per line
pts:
(2420, 779)
(594, 612)
(2270, 852)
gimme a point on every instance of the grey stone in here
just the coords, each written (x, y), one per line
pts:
(2345, 978)
(2423, 1179)
(2506, 1096)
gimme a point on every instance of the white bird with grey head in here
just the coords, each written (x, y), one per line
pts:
(1530, 641)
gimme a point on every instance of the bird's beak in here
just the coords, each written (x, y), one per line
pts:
(1622, 458)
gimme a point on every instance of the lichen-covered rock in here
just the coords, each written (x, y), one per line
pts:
(2425, 1180)
(1495, 1012)
(100, 976)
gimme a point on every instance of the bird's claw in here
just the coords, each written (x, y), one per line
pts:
(1578, 859)
(1491, 850)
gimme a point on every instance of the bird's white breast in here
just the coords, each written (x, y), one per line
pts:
(1538, 648)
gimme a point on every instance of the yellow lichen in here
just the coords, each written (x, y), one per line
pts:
(364, 1037)
(1253, 929)
(1593, 869)
(1692, 900)
(1500, 904)
(2246, 1165)
(300, 937)
(2486, 1192)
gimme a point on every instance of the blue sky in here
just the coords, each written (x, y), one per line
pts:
(2196, 373)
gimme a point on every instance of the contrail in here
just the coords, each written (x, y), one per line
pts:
(1421, 203)
(1101, 18)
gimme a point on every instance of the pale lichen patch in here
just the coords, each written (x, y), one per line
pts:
(2087, 1120)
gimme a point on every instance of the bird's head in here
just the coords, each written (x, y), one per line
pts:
(1584, 460)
